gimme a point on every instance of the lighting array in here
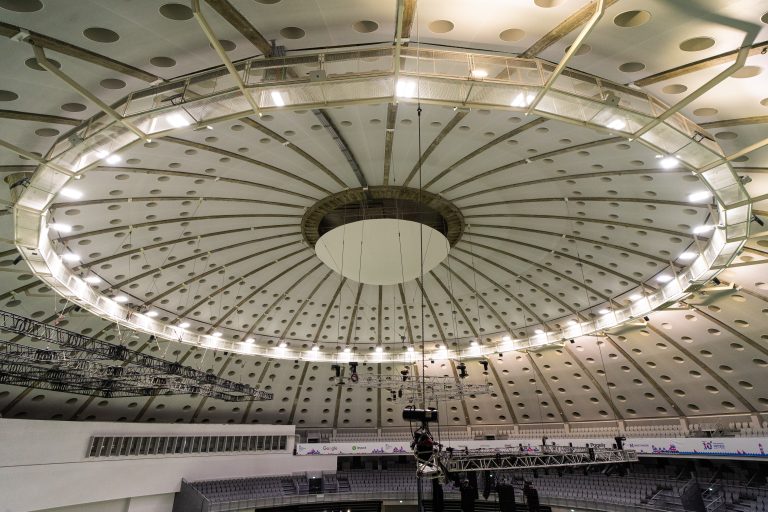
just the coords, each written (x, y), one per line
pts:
(55, 178)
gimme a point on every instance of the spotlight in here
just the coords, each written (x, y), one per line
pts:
(336, 368)
(716, 281)
(572, 342)
(757, 219)
(17, 259)
(647, 318)
(152, 338)
(353, 372)
(485, 365)
(404, 373)
(462, 370)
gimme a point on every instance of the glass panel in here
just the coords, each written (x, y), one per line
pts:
(196, 445)
(144, 446)
(104, 448)
(283, 442)
(188, 444)
(252, 443)
(94, 448)
(114, 450)
(135, 442)
(179, 448)
(153, 445)
(124, 445)
(220, 444)
(260, 445)
(162, 445)
(230, 442)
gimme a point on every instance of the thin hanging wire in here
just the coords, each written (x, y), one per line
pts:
(598, 342)
(474, 280)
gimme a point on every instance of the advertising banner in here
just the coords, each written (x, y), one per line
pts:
(691, 446)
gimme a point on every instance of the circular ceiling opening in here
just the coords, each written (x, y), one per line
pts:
(382, 251)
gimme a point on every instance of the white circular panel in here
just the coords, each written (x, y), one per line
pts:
(381, 251)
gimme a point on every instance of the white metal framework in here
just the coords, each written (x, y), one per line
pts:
(409, 389)
(369, 77)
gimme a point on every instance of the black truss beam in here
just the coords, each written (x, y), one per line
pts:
(88, 363)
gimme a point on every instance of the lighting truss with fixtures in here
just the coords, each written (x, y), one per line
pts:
(408, 388)
(547, 457)
(616, 109)
(447, 461)
(85, 365)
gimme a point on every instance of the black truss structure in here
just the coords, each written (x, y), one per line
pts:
(85, 365)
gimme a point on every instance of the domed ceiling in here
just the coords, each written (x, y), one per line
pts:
(214, 228)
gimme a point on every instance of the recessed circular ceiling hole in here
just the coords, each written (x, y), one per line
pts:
(764, 18)
(630, 19)
(292, 32)
(674, 89)
(176, 12)
(546, 4)
(697, 44)
(632, 67)
(583, 49)
(73, 107)
(268, 2)
(512, 35)
(748, 72)
(726, 135)
(162, 62)
(440, 26)
(365, 26)
(101, 35)
(46, 132)
(112, 83)
(32, 64)
(8, 95)
(705, 112)
(226, 44)
(21, 5)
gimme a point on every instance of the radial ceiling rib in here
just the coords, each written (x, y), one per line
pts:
(564, 28)
(293, 147)
(409, 14)
(543, 382)
(277, 301)
(432, 312)
(586, 175)
(38, 118)
(503, 390)
(192, 279)
(242, 278)
(733, 332)
(698, 362)
(525, 161)
(454, 304)
(328, 308)
(353, 317)
(478, 295)
(242, 25)
(579, 239)
(716, 60)
(509, 294)
(236, 156)
(389, 138)
(645, 375)
(607, 199)
(304, 303)
(456, 119)
(486, 147)
(725, 123)
(562, 255)
(296, 395)
(606, 398)
(49, 43)
(582, 219)
(178, 220)
(526, 281)
(207, 177)
(144, 249)
(407, 317)
(327, 123)
(201, 199)
(542, 267)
